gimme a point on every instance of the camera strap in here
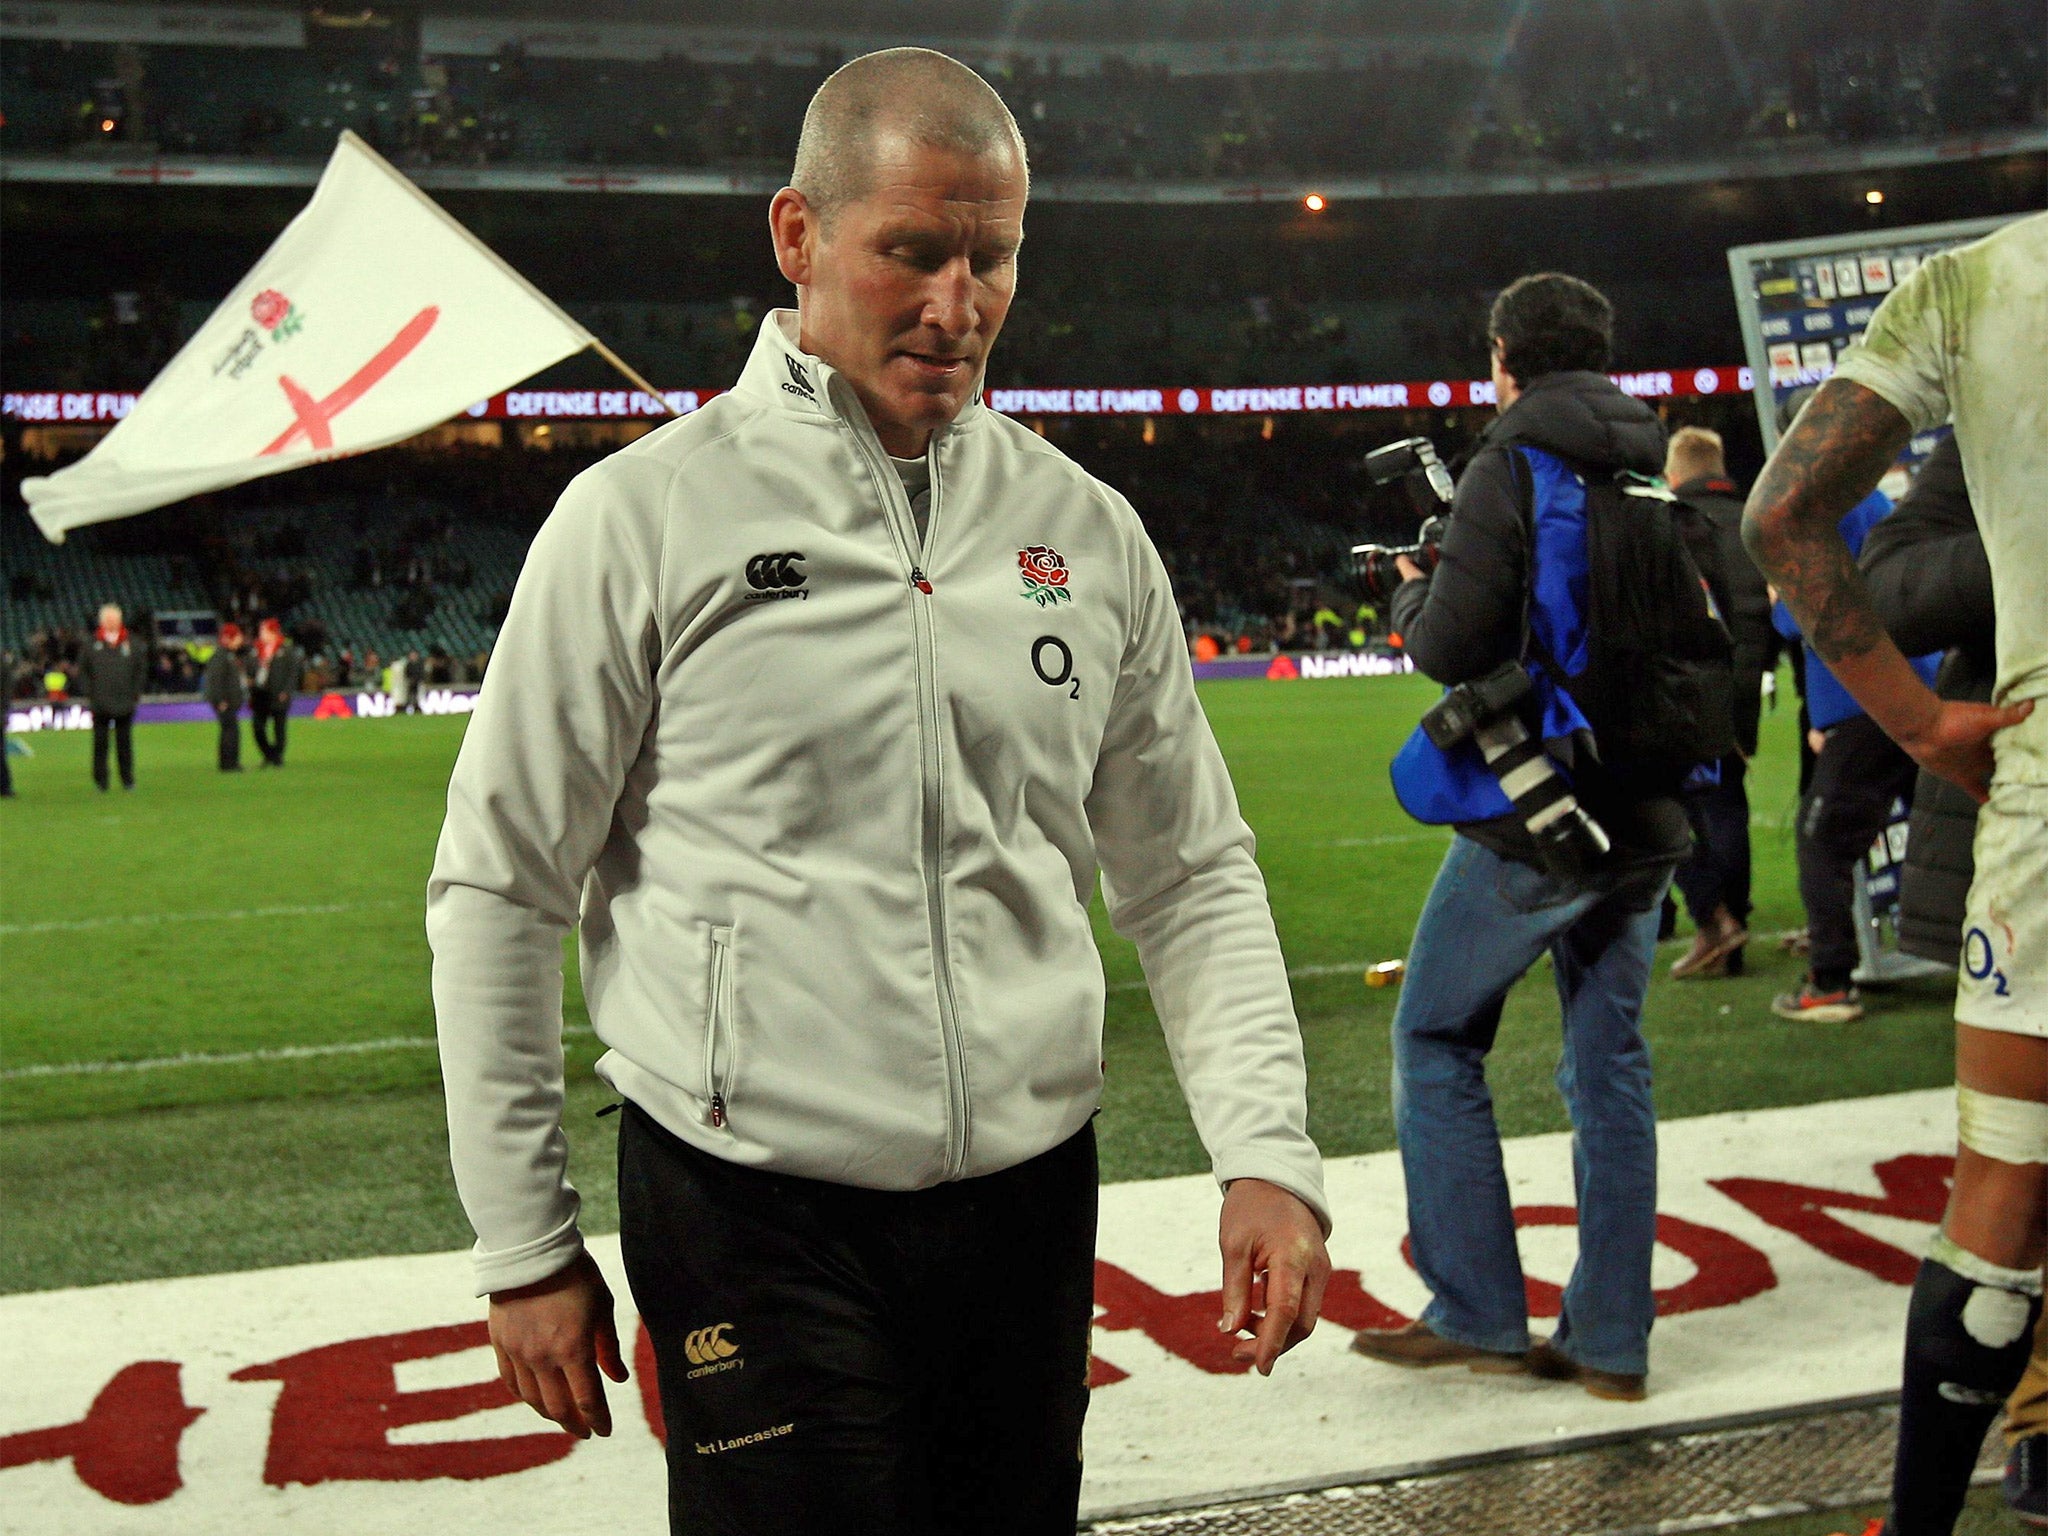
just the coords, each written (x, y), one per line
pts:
(1525, 505)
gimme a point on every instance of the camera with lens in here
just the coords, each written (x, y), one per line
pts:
(1412, 463)
(1488, 711)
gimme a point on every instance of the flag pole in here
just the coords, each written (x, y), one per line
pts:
(619, 363)
(356, 142)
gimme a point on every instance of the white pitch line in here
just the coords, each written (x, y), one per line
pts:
(149, 919)
(1388, 840)
(237, 1058)
(425, 1042)
(1297, 973)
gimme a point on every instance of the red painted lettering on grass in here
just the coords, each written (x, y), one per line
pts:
(1915, 1189)
(126, 1446)
(650, 1385)
(1186, 1325)
(315, 418)
(339, 1403)
(1726, 1270)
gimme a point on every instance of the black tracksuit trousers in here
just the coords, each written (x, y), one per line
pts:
(230, 753)
(1859, 773)
(853, 1362)
(268, 716)
(122, 728)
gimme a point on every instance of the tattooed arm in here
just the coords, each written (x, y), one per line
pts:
(1834, 455)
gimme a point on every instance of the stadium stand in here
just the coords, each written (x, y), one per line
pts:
(1567, 86)
(384, 558)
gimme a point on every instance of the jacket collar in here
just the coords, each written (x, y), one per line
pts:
(781, 375)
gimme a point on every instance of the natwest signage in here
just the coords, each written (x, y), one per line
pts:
(1261, 400)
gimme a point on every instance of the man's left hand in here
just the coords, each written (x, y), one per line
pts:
(1409, 570)
(1275, 1269)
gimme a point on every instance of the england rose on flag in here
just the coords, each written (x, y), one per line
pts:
(373, 317)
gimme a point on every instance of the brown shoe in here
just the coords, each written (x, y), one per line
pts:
(1418, 1345)
(1721, 937)
(1549, 1363)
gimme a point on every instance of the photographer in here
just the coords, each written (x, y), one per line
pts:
(1513, 581)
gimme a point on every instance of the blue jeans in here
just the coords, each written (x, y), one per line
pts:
(1486, 922)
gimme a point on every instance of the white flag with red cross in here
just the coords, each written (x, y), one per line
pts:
(373, 317)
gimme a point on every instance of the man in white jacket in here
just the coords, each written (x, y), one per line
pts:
(818, 712)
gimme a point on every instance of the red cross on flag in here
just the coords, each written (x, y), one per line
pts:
(373, 317)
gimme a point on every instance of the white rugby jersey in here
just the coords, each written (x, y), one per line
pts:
(1966, 337)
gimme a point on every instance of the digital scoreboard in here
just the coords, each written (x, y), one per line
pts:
(1803, 301)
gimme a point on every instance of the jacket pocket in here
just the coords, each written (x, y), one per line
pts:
(719, 1042)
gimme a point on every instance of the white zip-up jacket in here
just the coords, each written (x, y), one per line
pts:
(828, 801)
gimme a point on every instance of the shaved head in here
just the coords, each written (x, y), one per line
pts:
(910, 93)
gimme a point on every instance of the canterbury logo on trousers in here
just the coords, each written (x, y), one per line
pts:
(705, 1346)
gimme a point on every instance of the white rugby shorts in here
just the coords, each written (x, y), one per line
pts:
(2003, 980)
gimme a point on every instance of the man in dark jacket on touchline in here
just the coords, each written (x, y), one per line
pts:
(280, 669)
(1495, 908)
(1930, 581)
(225, 689)
(110, 675)
(1715, 879)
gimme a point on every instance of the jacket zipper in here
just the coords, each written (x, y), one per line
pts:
(718, 1022)
(903, 525)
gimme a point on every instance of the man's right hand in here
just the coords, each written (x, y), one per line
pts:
(1955, 741)
(552, 1337)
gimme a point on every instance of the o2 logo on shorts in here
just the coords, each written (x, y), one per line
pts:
(1980, 962)
(1053, 661)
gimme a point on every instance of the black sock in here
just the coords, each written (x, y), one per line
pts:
(1968, 1334)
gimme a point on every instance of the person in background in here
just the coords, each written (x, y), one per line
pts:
(225, 689)
(111, 674)
(412, 671)
(1715, 879)
(398, 684)
(280, 667)
(6, 698)
(1858, 772)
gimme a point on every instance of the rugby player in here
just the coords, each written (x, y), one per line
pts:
(1964, 338)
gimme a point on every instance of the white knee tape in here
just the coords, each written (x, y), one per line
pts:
(2008, 1130)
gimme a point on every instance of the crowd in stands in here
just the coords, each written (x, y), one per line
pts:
(1559, 86)
(401, 553)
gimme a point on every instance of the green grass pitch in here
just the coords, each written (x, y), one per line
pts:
(270, 912)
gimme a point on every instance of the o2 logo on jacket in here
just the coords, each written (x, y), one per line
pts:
(776, 576)
(1045, 575)
(1053, 660)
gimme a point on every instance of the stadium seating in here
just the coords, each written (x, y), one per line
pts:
(1566, 86)
(51, 587)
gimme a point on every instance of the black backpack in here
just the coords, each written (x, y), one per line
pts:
(1659, 684)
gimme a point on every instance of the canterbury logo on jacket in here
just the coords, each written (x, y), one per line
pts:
(831, 858)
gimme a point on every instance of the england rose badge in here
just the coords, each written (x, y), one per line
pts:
(1045, 575)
